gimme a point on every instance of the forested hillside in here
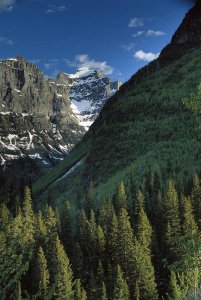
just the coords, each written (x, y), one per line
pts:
(135, 246)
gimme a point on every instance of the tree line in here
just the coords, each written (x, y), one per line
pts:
(134, 246)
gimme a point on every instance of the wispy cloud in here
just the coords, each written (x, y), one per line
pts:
(149, 33)
(140, 54)
(50, 65)
(128, 47)
(136, 22)
(7, 4)
(6, 41)
(35, 61)
(84, 61)
(55, 9)
(139, 33)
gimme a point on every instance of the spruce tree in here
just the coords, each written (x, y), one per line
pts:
(121, 290)
(44, 276)
(189, 226)
(63, 276)
(79, 292)
(4, 216)
(175, 291)
(171, 208)
(171, 223)
(196, 199)
(143, 230)
(100, 243)
(125, 239)
(143, 276)
(66, 232)
(41, 230)
(103, 294)
(28, 220)
(112, 241)
(121, 200)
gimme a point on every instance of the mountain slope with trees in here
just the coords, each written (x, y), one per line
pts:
(153, 122)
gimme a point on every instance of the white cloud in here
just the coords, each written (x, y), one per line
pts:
(128, 47)
(7, 4)
(139, 33)
(84, 61)
(151, 32)
(146, 56)
(54, 9)
(6, 41)
(136, 22)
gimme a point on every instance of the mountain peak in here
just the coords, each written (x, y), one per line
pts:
(189, 31)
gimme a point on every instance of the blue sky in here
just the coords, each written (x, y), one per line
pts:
(115, 36)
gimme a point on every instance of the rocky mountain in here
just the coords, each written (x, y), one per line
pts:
(88, 91)
(44, 118)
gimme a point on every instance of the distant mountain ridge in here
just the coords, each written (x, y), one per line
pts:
(40, 117)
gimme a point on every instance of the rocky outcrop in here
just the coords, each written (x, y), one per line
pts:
(39, 117)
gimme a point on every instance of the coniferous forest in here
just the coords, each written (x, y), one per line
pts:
(119, 218)
(137, 245)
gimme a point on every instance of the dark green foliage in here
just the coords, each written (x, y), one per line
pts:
(121, 291)
(79, 292)
(110, 257)
(44, 276)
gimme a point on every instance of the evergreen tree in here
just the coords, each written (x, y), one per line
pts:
(41, 230)
(90, 198)
(121, 290)
(171, 208)
(121, 200)
(99, 280)
(143, 229)
(100, 244)
(66, 233)
(28, 221)
(175, 291)
(143, 274)
(112, 240)
(140, 203)
(171, 223)
(106, 212)
(137, 292)
(4, 216)
(79, 292)
(125, 242)
(196, 199)
(103, 295)
(44, 276)
(12, 265)
(63, 276)
(18, 292)
(189, 226)
(78, 262)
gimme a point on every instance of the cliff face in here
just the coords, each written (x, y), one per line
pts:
(39, 117)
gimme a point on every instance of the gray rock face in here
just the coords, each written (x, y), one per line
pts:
(88, 93)
(39, 117)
